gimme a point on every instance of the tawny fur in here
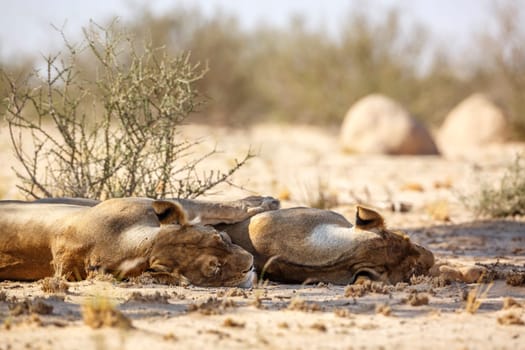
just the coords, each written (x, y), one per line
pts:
(292, 245)
(304, 244)
(45, 239)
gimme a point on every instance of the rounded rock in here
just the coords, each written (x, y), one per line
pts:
(377, 124)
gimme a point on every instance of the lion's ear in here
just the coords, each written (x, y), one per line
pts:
(170, 212)
(367, 219)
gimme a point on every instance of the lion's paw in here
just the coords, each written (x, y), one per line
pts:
(259, 204)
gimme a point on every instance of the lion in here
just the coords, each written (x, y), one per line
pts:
(125, 237)
(298, 245)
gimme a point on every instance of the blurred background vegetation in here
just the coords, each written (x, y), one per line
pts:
(300, 74)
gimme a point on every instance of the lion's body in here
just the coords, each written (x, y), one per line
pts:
(122, 236)
(305, 244)
(28, 256)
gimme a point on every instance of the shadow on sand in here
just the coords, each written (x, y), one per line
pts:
(484, 238)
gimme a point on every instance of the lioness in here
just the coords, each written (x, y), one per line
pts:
(127, 236)
(304, 244)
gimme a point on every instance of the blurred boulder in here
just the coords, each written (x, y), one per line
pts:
(474, 122)
(376, 124)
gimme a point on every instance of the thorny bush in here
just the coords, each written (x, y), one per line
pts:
(112, 133)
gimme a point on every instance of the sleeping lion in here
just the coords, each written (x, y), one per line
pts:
(293, 245)
(304, 244)
(126, 236)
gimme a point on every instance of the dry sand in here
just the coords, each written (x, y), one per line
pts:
(297, 164)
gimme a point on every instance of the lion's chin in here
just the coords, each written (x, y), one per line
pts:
(249, 280)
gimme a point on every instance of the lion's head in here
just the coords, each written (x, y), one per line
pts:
(390, 256)
(200, 254)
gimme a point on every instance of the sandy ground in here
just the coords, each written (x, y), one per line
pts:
(299, 165)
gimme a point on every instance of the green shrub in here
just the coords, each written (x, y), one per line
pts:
(504, 198)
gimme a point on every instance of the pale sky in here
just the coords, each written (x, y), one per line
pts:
(25, 25)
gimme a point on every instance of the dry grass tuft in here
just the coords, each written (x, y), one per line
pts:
(157, 297)
(383, 309)
(321, 327)
(232, 292)
(509, 303)
(100, 312)
(416, 299)
(284, 194)
(412, 186)
(283, 325)
(257, 301)
(503, 199)
(229, 322)
(366, 286)
(434, 281)
(474, 297)
(439, 210)
(320, 196)
(258, 296)
(212, 306)
(52, 285)
(510, 318)
(515, 279)
(298, 304)
(446, 183)
(170, 337)
(342, 312)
